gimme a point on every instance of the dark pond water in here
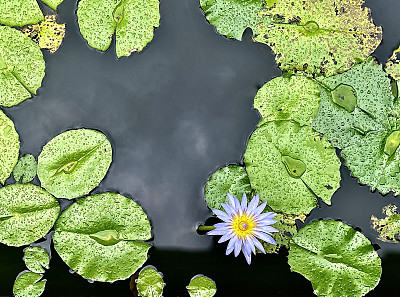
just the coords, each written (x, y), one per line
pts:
(175, 113)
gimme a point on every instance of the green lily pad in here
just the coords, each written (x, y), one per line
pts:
(232, 17)
(52, 3)
(392, 66)
(150, 282)
(132, 21)
(319, 37)
(19, 13)
(74, 163)
(231, 179)
(370, 85)
(338, 260)
(286, 225)
(29, 284)
(295, 98)
(21, 67)
(25, 169)
(27, 213)
(388, 227)
(201, 286)
(101, 237)
(36, 259)
(9, 148)
(289, 164)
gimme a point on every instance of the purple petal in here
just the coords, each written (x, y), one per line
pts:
(222, 225)
(244, 202)
(247, 251)
(238, 208)
(266, 215)
(216, 232)
(231, 245)
(257, 244)
(221, 215)
(253, 204)
(264, 237)
(265, 222)
(260, 209)
(228, 208)
(231, 200)
(250, 242)
(266, 229)
(226, 237)
(238, 247)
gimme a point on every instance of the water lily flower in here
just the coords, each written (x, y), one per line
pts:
(243, 224)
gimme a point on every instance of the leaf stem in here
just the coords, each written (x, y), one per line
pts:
(205, 228)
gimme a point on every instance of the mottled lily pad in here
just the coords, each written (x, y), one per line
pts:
(9, 148)
(101, 237)
(27, 213)
(294, 98)
(393, 65)
(47, 34)
(366, 87)
(74, 163)
(388, 227)
(29, 284)
(150, 282)
(19, 13)
(36, 259)
(201, 286)
(319, 37)
(21, 67)
(232, 18)
(132, 21)
(289, 164)
(25, 169)
(338, 260)
(231, 179)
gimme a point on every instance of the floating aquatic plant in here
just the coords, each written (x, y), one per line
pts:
(392, 66)
(9, 148)
(25, 170)
(150, 282)
(29, 284)
(36, 259)
(243, 224)
(201, 286)
(388, 227)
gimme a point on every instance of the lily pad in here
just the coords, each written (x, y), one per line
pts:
(319, 37)
(52, 3)
(286, 225)
(201, 286)
(366, 87)
(232, 18)
(21, 67)
(27, 213)
(393, 65)
(74, 163)
(294, 98)
(338, 260)
(19, 13)
(132, 21)
(388, 227)
(231, 179)
(9, 148)
(36, 259)
(101, 237)
(29, 284)
(150, 282)
(47, 34)
(25, 169)
(289, 165)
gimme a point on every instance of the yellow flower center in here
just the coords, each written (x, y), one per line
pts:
(243, 225)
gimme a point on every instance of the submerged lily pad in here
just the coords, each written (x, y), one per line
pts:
(232, 18)
(393, 65)
(25, 169)
(295, 98)
(365, 106)
(74, 163)
(21, 67)
(29, 284)
(150, 282)
(36, 259)
(201, 286)
(101, 237)
(288, 165)
(338, 260)
(132, 21)
(232, 179)
(319, 37)
(388, 227)
(9, 148)
(19, 13)
(27, 213)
